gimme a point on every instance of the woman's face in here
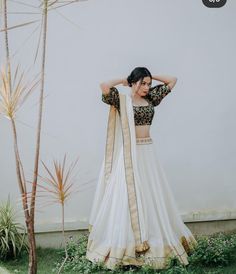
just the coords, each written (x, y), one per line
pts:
(142, 87)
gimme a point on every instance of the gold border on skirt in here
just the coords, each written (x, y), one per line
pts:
(112, 257)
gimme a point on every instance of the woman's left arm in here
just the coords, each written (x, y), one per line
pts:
(170, 81)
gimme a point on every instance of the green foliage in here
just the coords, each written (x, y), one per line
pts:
(147, 269)
(12, 234)
(214, 250)
(176, 270)
(77, 261)
(174, 266)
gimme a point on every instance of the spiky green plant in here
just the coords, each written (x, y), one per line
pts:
(12, 233)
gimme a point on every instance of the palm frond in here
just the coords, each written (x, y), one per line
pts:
(24, 4)
(58, 184)
(19, 25)
(25, 41)
(55, 4)
(10, 102)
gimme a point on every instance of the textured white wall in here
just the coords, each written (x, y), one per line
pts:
(194, 126)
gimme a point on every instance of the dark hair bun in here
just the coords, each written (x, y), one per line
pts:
(129, 80)
(137, 74)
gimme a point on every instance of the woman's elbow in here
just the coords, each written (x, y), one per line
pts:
(104, 87)
(175, 79)
(172, 83)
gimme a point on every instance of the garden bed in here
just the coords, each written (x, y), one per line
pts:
(215, 254)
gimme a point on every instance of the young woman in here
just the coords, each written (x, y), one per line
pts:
(134, 218)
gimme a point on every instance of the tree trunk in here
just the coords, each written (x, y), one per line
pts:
(6, 43)
(32, 256)
(28, 219)
(32, 267)
(29, 212)
(36, 160)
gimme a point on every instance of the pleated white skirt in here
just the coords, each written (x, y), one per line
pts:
(111, 239)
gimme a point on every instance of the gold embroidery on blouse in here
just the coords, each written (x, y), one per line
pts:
(143, 115)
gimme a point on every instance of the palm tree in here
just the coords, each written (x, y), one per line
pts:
(12, 97)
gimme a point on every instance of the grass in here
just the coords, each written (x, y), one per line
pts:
(47, 257)
(4, 271)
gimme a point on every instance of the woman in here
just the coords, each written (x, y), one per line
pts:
(134, 219)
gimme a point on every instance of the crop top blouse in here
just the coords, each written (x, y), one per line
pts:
(143, 115)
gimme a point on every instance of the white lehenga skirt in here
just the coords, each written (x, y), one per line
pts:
(111, 238)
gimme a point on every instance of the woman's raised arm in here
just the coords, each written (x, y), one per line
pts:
(105, 86)
(170, 81)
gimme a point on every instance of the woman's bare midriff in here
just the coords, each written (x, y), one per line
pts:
(142, 131)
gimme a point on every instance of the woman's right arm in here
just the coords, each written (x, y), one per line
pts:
(105, 86)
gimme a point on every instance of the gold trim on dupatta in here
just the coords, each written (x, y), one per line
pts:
(129, 173)
(128, 165)
(110, 142)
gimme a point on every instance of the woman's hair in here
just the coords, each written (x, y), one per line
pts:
(137, 74)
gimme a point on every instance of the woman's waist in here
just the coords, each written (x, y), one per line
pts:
(142, 131)
(144, 140)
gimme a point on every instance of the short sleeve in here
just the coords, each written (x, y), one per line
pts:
(157, 93)
(112, 98)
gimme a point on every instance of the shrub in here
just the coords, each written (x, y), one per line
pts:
(215, 250)
(174, 266)
(77, 261)
(12, 234)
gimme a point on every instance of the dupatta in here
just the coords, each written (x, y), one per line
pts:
(121, 136)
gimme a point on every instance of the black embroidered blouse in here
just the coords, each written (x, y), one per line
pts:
(143, 115)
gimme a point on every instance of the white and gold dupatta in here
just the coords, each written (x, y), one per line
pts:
(121, 136)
